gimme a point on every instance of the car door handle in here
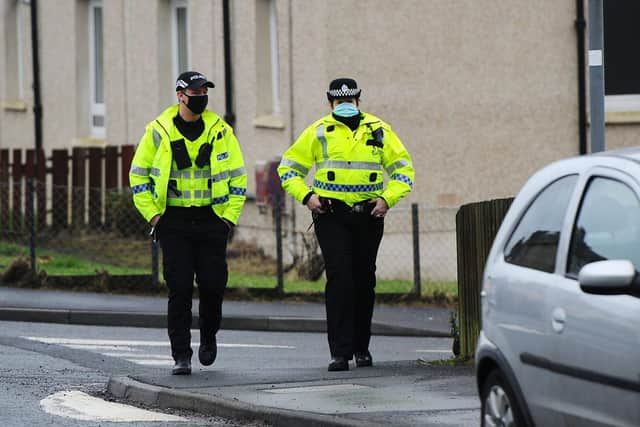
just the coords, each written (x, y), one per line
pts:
(483, 292)
(558, 319)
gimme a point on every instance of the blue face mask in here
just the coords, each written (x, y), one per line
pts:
(346, 109)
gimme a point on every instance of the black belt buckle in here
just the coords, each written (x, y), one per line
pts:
(362, 207)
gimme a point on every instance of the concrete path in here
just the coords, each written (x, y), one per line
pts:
(400, 393)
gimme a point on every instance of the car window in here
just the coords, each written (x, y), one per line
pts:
(534, 242)
(607, 225)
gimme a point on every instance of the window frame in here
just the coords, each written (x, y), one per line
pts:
(176, 66)
(96, 108)
(20, 50)
(276, 107)
(14, 55)
(621, 103)
(267, 65)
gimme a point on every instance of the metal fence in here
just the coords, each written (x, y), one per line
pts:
(109, 244)
(73, 244)
(76, 226)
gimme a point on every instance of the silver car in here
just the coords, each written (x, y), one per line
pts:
(560, 339)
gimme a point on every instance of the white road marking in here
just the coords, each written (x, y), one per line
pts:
(284, 347)
(149, 362)
(97, 342)
(134, 355)
(119, 343)
(99, 347)
(80, 406)
(124, 349)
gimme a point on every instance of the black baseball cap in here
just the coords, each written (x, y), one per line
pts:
(343, 88)
(192, 80)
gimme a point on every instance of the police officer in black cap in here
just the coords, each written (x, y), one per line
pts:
(348, 201)
(189, 182)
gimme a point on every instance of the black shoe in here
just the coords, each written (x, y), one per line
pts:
(363, 359)
(207, 352)
(182, 367)
(339, 363)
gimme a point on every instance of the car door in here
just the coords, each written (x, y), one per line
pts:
(595, 367)
(519, 282)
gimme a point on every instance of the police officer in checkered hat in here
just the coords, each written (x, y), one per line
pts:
(351, 150)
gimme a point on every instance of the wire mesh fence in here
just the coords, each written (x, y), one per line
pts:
(80, 241)
(75, 243)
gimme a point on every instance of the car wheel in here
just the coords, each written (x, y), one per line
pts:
(499, 405)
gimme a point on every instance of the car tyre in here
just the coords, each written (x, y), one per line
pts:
(499, 407)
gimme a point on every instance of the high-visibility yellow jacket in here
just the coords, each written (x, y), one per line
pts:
(349, 164)
(222, 185)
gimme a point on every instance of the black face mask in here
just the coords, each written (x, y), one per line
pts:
(197, 104)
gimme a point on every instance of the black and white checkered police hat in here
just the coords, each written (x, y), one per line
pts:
(343, 88)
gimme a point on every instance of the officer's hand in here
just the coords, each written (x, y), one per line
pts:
(155, 220)
(381, 207)
(314, 204)
(229, 224)
(231, 227)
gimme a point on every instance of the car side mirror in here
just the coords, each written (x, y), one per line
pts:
(610, 277)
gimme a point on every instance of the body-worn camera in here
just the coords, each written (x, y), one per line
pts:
(377, 138)
(180, 154)
(204, 155)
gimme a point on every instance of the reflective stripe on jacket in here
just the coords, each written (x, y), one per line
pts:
(151, 168)
(349, 164)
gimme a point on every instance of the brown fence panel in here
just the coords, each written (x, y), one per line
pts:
(4, 188)
(111, 180)
(95, 187)
(78, 184)
(127, 157)
(16, 174)
(60, 193)
(111, 168)
(30, 173)
(476, 227)
(41, 191)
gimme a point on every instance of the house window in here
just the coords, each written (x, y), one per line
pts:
(180, 44)
(96, 67)
(621, 63)
(14, 48)
(267, 64)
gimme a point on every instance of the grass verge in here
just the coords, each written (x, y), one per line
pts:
(246, 272)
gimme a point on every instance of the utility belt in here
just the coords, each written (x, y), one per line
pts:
(191, 213)
(334, 205)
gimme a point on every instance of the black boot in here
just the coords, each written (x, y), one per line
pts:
(363, 359)
(182, 366)
(208, 351)
(339, 363)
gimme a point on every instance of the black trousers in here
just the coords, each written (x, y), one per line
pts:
(193, 241)
(349, 243)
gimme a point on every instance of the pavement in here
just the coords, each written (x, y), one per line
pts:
(407, 393)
